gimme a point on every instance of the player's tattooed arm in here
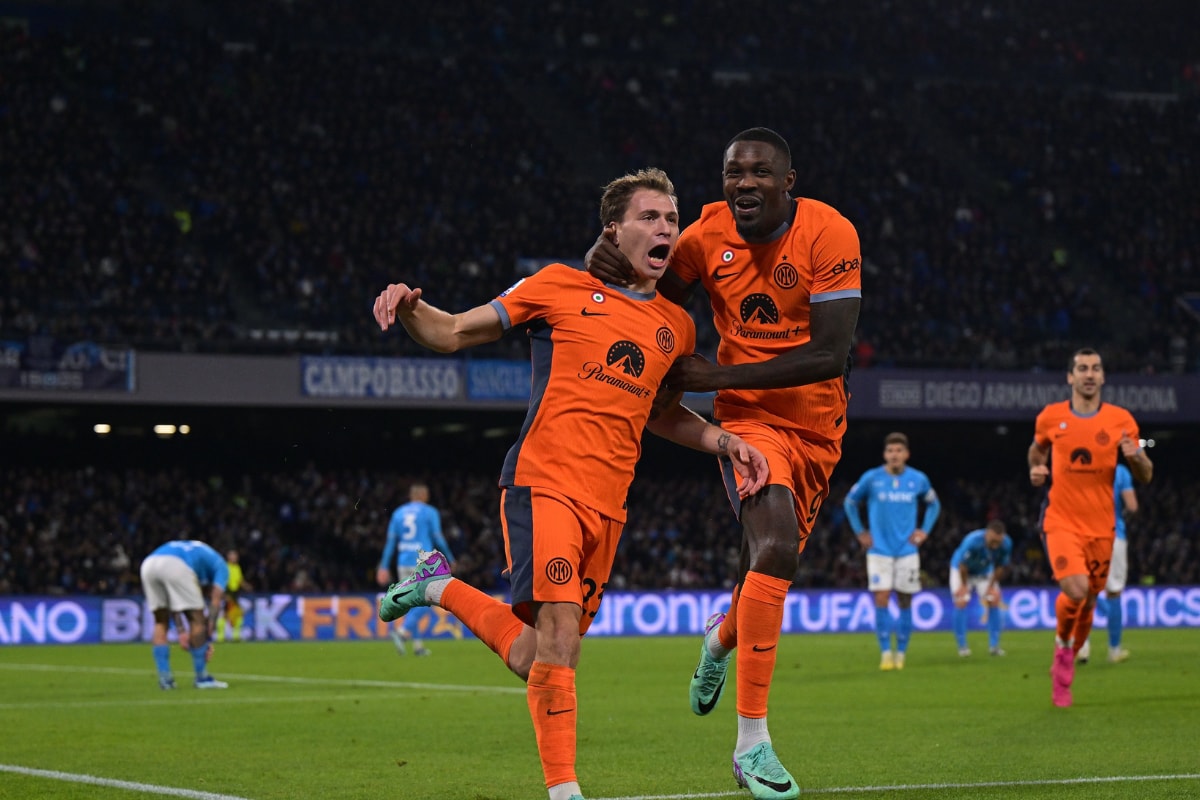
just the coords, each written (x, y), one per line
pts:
(723, 443)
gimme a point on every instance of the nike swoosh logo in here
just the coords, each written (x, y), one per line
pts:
(587, 313)
(758, 649)
(720, 276)
(776, 785)
(552, 713)
(707, 707)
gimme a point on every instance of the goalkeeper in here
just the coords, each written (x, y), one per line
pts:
(979, 563)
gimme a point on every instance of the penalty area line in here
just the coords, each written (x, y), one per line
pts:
(365, 683)
(148, 788)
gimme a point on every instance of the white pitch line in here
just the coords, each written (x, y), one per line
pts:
(132, 786)
(370, 684)
(929, 786)
(173, 700)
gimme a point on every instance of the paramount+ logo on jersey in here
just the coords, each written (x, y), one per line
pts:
(623, 364)
(757, 310)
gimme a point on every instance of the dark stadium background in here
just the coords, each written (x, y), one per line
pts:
(240, 179)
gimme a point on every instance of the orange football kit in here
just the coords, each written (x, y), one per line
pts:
(1078, 519)
(599, 355)
(762, 297)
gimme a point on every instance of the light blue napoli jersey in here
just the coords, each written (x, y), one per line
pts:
(892, 502)
(207, 563)
(414, 527)
(979, 558)
(1121, 481)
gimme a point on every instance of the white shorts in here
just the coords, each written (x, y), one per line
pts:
(1118, 567)
(978, 584)
(171, 584)
(886, 574)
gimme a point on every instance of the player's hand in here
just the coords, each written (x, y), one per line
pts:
(607, 263)
(993, 596)
(750, 464)
(1129, 447)
(383, 576)
(917, 537)
(396, 298)
(694, 373)
(866, 540)
(962, 596)
(1039, 474)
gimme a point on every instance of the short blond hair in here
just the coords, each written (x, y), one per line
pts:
(614, 202)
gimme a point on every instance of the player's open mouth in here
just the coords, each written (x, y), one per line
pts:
(746, 205)
(658, 255)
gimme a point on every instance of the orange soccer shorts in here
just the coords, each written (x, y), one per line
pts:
(558, 551)
(802, 465)
(1072, 554)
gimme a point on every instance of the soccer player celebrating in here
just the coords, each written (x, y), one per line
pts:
(783, 276)
(1076, 444)
(599, 357)
(893, 493)
(979, 563)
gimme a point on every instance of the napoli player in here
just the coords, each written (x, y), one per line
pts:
(414, 527)
(893, 493)
(979, 563)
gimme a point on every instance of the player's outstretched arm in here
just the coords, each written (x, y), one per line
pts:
(687, 428)
(821, 358)
(431, 327)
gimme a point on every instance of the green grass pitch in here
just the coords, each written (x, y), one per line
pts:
(351, 720)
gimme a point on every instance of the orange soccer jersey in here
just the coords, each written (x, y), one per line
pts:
(1083, 463)
(599, 355)
(762, 296)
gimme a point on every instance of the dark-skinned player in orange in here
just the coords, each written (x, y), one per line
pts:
(1076, 444)
(784, 279)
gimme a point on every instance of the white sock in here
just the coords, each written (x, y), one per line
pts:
(750, 733)
(433, 593)
(715, 648)
(563, 791)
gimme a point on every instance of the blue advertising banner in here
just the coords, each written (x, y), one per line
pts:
(991, 396)
(42, 363)
(288, 617)
(499, 380)
(382, 378)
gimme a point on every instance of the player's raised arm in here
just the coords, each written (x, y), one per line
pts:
(433, 328)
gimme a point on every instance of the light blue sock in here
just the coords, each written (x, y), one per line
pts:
(995, 623)
(162, 659)
(960, 627)
(1115, 622)
(413, 619)
(904, 630)
(883, 628)
(200, 660)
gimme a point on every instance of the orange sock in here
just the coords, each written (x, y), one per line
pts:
(551, 696)
(1066, 612)
(727, 632)
(488, 618)
(1083, 625)
(760, 616)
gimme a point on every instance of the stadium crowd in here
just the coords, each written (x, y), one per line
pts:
(226, 177)
(85, 530)
(243, 181)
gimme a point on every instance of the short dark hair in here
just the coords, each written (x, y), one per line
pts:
(895, 438)
(764, 135)
(1083, 351)
(617, 194)
(997, 526)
